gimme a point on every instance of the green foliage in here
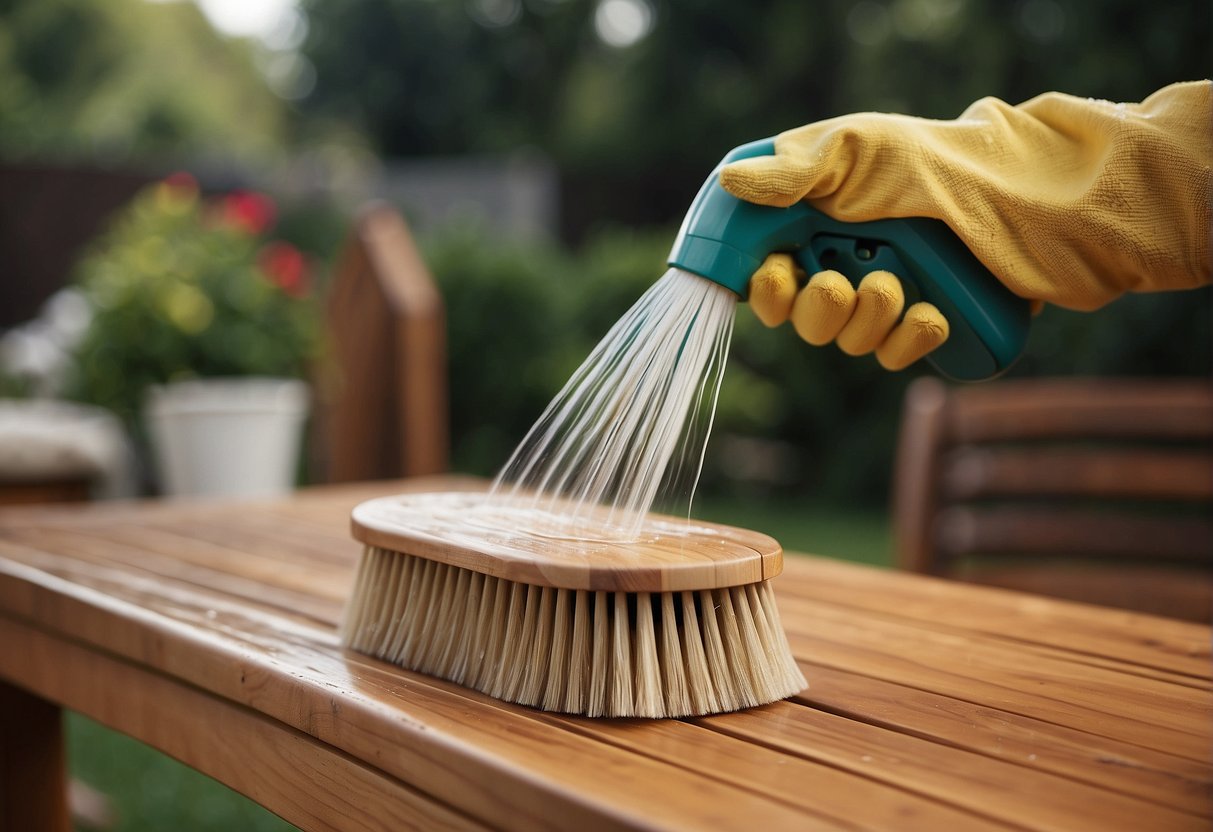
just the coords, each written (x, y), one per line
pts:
(127, 78)
(512, 335)
(635, 129)
(184, 288)
(151, 792)
(443, 77)
(521, 317)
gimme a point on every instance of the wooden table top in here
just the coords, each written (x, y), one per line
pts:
(207, 630)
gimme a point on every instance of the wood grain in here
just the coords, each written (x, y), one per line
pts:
(985, 786)
(799, 782)
(1059, 532)
(1084, 632)
(33, 774)
(385, 410)
(974, 473)
(312, 786)
(1086, 408)
(1097, 490)
(503, 764)
(1125, 707)
(474, 532)
(933, 705)
(1130, 769)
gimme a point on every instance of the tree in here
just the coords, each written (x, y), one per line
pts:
(127, 78)
(635, 129)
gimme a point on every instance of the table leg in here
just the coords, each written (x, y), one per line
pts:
(33, 781)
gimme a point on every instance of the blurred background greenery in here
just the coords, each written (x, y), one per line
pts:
(615, 110)
(630, 103)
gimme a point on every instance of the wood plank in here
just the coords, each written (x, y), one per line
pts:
(302, 780)
(1135, 709)
(387, 321)
(421, 414)
(33, 774)
(1140, 447)
(501, 764)
(1123, 536)
(974, 782)
(1162, 778)
(894, 657)
(21, 493)
(971, 473)
(854, 800)
(33, 545)
(916, 470)
(1138, 639)
(1012, 651)
(268, 537)
(422, 395)
(1182, 648)
(210, 605)
(1185, 594)
(873, 809)
(259, 568)
(1084, 409)
(1137, 696)
(323, 507)
(356, 422)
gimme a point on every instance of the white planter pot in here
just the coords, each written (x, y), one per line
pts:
(227, 436)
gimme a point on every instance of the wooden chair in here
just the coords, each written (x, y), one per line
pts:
(385, 411)
(1092, 490)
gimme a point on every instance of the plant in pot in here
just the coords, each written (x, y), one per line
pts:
(203, 333)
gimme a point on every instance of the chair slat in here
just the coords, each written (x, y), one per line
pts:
(1090, 489)
(1083, 409)
(971, 473)
(962, 531)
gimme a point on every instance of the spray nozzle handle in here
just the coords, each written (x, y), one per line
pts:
(725, 239)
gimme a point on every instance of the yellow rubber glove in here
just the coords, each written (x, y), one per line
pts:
(1066, 200)
(860, 321)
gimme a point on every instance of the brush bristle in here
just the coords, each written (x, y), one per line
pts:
(610, 654)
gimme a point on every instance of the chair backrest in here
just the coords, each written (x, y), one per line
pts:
(386, 410)
(1098, 490)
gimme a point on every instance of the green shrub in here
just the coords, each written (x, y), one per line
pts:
(522, 317)
(511, 336)
(182, 287)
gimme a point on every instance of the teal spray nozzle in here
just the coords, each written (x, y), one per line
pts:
(725, 239)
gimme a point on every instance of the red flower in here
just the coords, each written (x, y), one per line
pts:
(285, 266)
(182, 181)
(248, 211)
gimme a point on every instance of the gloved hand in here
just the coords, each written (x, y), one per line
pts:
(1066, 200)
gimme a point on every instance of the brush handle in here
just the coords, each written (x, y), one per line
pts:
(471, 531)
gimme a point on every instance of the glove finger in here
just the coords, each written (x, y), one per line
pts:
(773, 288)
(766, 180)
(823, 307)
(878, 305)
(922, 330)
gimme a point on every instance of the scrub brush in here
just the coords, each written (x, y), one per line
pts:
(679, 621)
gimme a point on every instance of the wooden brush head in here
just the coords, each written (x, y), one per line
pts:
(497, 537)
